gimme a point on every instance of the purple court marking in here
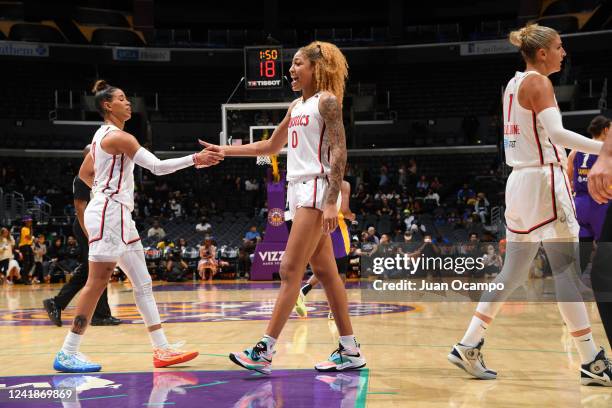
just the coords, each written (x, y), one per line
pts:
(221, 311)
(289, 388)
(189, 286)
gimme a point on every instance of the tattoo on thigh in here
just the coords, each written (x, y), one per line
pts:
(79, 324)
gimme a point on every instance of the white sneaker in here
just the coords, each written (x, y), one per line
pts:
(597, 372)
(342, 359)
(470, 359)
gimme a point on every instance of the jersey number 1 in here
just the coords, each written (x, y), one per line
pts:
(294, 139)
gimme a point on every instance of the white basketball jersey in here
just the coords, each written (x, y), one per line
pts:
(307, 141)
(526, 142)
(114, 173)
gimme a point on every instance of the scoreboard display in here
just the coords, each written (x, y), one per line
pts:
(263, 67)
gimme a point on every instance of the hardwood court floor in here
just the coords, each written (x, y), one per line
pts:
(405, 344)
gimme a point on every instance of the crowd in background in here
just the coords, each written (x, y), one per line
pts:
(393, 204)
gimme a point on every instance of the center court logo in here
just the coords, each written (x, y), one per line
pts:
(276, 217)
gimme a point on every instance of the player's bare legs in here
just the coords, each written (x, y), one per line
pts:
(303, 239)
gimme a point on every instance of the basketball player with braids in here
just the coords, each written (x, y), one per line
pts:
(316, 158)
(113, 239)
(539, 206)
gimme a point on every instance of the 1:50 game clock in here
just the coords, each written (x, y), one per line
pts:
(263, 67)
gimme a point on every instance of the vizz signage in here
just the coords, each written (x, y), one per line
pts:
(271, 256)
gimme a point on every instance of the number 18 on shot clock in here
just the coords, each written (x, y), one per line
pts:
(263, 67)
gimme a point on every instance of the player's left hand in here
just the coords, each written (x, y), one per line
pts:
(330, 218)
(600, 179)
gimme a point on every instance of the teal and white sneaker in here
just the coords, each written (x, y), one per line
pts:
(74, 363)
(258, 358)
(341, 360)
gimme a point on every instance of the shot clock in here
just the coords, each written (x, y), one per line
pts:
(263, 67)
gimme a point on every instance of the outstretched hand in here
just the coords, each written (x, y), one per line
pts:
(209, 156)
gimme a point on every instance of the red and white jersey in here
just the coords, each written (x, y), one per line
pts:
(307, 141)
(526, 142)
(114, 173)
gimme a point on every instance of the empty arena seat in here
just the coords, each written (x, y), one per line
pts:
(114, 36)
(324, 34)
(217, 38)
(236, 38)
(564, 24)
(255, 37)
(35, 33)
(11, 11)
(96, 17)
(289, 36)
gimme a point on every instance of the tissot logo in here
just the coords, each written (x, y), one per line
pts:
(271, 256)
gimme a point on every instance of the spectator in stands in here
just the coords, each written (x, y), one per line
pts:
(207, 267)
(409, 243)
(492, 262)
(383, 177)
(72, 251)
(251, 184)
(176, 209)
(402, 176)
(435, 184)
(422, 185)
(372, 236)
(204, 226)
(252, 235)
(57, 254)
(40, 250)
(433, 196)
(7, 244)
(481, 207)
(156, 231)
(26, 239)
(465, 194)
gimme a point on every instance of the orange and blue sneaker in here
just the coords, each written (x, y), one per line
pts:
(342, 359)
(74, 363)
(172, 355)
(258, 358)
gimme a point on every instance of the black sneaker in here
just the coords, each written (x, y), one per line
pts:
(598, 371)
(54, 312)
(105, 321)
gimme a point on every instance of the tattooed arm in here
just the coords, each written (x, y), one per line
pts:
(330, 109)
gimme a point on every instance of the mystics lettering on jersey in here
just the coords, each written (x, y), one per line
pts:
(308, 144)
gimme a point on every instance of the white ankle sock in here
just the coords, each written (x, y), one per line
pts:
(270, 341)
(475, 332)
(72, 342)
(586, 347)
(158, 338)
(349, 342)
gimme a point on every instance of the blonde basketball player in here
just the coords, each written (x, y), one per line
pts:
(316, 157)
(113, 238)
(539, 205)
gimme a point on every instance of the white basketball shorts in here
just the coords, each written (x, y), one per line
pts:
(111, 230)
(309, 193)
(539, 205)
